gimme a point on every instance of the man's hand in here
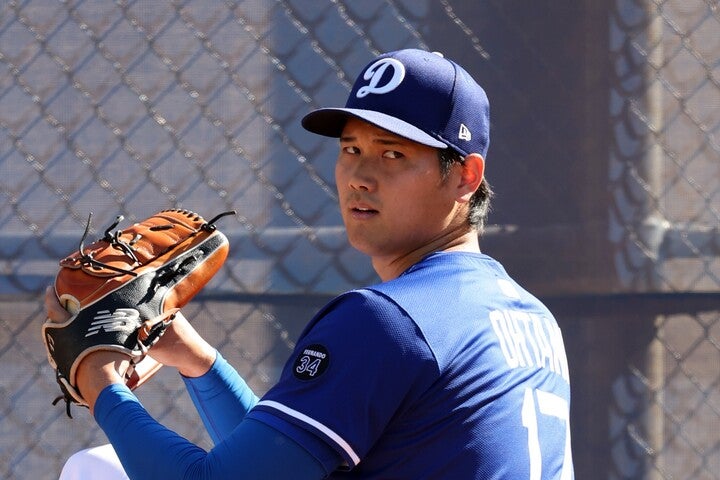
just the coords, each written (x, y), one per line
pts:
(98, 369)
(182, 347)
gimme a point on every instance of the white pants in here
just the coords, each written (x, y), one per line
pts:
(96, 463)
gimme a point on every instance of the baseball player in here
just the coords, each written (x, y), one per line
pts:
(446, 369)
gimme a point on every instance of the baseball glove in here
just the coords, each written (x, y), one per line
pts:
(124, 290)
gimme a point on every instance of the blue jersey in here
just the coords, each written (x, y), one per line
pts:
(451, 370)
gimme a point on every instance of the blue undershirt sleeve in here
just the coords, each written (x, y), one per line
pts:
(148, 450)
(221, 397)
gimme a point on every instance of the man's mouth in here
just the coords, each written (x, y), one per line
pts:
(361, 211)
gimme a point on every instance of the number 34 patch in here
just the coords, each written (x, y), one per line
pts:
(312, 362)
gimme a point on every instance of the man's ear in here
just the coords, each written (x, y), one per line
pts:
(471, 174)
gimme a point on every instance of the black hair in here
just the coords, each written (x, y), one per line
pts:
(480, 201)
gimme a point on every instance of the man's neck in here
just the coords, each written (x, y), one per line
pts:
(390, 268)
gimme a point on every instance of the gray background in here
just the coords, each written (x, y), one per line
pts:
(605, 158)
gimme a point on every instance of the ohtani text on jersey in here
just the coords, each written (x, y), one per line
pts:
(529, 340)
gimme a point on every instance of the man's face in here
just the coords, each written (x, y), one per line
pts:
(393, 200)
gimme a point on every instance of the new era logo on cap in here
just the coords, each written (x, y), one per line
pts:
(416, 94)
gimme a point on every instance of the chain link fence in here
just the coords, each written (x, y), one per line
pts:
(605, 134)
(665, 220)
(665, 160)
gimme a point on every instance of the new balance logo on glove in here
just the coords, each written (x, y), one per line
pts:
(115, 321)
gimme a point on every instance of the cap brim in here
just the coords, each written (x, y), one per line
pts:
(331, 121)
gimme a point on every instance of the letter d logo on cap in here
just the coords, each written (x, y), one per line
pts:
(374, 74)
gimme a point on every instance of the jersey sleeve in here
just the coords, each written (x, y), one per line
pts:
(355, 367)
(148, 450)
(221, 397)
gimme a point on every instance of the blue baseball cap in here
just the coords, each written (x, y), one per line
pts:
(418, 95)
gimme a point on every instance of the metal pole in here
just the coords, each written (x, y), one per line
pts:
(654, 226)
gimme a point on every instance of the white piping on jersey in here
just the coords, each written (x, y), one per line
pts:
(304, 418)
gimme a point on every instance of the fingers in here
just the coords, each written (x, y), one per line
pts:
(55, 312)
(181, 346)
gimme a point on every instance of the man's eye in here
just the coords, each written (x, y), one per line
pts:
(351, 150)
(392, 154)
